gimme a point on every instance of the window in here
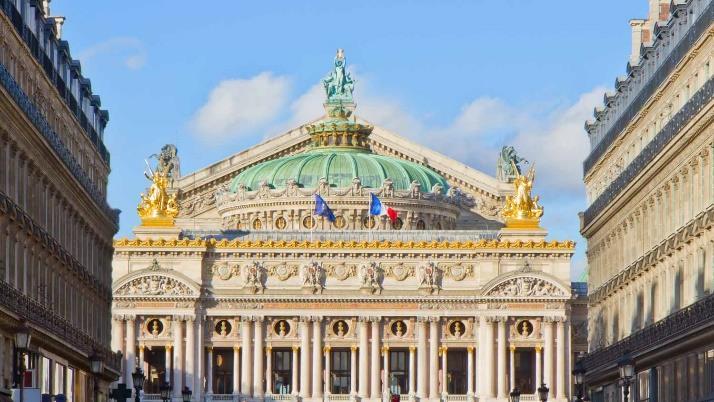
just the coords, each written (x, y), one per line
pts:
(155, 358)
(398, 372)
(340, 371)
(223, 371)
(282, 371)
(456, 372)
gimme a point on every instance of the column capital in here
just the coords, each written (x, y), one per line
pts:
(353, 348)
(412, 348)
(326, 349)
(236, 347)
(296, 348)
(434, 320)
(538, 348)
(513, 348)
(169, 347)
(142, 347)
(268, 349)
(422, 319)
(470, 348)
(210, 348)
(385, 349)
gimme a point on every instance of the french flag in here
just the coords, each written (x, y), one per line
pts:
(377, 208)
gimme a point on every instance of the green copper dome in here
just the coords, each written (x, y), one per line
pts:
(339, 167)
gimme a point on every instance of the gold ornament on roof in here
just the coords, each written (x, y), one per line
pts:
(522, 210)
(157, 207)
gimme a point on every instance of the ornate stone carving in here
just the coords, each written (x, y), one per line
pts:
(283, 271)
(459, 272)
(429, 278)
(399, 271)
(371, 276)
(526, 287)
(340, 271)
(154, 285)
(224, 270)
(312, 276)
(254, 278)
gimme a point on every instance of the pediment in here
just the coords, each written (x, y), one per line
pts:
(155, 281)
(198, 189)
(528, 284)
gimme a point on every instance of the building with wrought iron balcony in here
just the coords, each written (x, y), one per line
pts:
(56, 226)
(648, 222)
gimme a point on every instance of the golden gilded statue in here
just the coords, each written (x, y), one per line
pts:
(522, 209)
(157, 207)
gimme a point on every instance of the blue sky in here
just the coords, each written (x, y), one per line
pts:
(479, 73)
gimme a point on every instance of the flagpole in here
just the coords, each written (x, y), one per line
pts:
(369, 218)
(313, 221)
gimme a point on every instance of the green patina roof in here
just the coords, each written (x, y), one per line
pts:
(339, 166)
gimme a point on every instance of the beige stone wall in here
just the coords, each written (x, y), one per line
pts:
(651, 251)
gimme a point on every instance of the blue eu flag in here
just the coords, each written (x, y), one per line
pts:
(322, 209)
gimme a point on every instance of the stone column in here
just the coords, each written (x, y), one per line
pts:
(191, 355)
(512, 368)
(353, 370)
(317, 357)
(268, 370)
(470, 371)
(385, 375)
(501, 359)
(539, 369)
(444, 365)
(548, 356)
(294, 374)
(363, 350)
(412, 369)
(117, 334)
(209, 371)
(130, 351)
(141, 356)
(374, 360)
(433, 357)
(258, 353)
(198, 383)
(246, 370)
(236, 369)
(488, 359)
(167, 359)
(304, 358)
(560, 363)
(328, 367)
(422, 356)
(480, 358)
(178, 356)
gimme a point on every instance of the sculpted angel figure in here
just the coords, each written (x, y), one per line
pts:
(370, 276)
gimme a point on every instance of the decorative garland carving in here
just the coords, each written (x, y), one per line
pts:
(399, 271)
(283, 271)
(340, 271)
(224, 270)
(459, 272)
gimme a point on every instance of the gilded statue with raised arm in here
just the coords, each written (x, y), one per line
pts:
(522, 209)
(157, 207)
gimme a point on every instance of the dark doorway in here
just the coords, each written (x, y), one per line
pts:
(457, 371)
(525, 370)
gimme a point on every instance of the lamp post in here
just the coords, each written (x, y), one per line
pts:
(543, 392)
(515, 395)
(186, 394)
(137, 377)
(96, 365)
(165, 391)
(579, 374)
(22, 343)
(626, 365)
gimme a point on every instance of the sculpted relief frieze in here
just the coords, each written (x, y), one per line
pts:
(154, 285)
(340, 271)
(225, 270)
(526, 287)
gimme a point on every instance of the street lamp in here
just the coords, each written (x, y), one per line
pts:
(137, 377)
(22, 343)
(96, 365)
(626, 365)
(543, 392)
(516, 395)
(165, 391)
(579, 374)
(186, 394)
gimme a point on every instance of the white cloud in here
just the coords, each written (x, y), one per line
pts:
(131, 51)
(239, 106)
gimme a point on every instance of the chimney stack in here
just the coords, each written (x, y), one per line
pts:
(638, 36)
(59, 21)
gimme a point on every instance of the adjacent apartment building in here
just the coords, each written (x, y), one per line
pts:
(56, 228)
(648, 224)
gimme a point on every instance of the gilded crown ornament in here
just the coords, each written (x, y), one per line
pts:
(157, 207)
(522, 210)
